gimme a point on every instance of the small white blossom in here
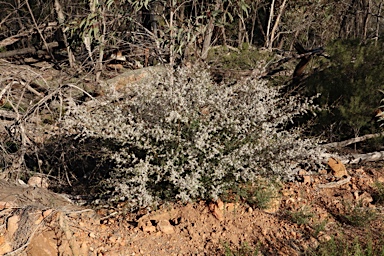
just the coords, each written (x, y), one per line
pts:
(192, 138)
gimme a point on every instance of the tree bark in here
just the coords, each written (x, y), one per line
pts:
(276, 25)
(209, 33)
(271, 14)
(61, 19)
(352, 141)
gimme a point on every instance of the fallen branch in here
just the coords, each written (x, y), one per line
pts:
(352, 141)
(32, 50)
(356, 158)
(369, 157)
(336, 183)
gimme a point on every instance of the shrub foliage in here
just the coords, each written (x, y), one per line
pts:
(349, 89)
(184, 137)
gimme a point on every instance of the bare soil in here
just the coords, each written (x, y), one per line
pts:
(35, 221)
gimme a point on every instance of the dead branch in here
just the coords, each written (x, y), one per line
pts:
(356, 158)
(336, 183)
(352, 141)
(9, 41)
(30, 50)
(369, 157)
(6, 88)
(48, 98)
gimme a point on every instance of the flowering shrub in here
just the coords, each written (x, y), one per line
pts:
(182, 136)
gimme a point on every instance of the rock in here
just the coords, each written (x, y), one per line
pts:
(365, 198)
(323, 172)
(84, 249)
(324, 237)
(165, 227)
(273, 206)
(147, 227)
(231, 207)
(5, 246)
(122, 82)
(305, 176)
(6, 205)
(216, 211)
(43, 244)
(36, 181)
(12, 224)
(338, 168)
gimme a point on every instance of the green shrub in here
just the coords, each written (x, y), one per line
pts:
(342, 246)
(349, 89)
(358, 216)
(244, 58)
(378, 195)
(257, 194)
(182, 136)
(300, 217)
(243, 250)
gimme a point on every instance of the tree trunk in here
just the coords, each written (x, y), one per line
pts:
(61, 19)
(209, 33)
(276, 25)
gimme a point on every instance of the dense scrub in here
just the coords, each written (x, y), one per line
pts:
(349, 84)
(182, 136)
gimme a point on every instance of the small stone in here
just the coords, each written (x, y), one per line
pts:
(220, 204)
(92, 235)
(356, 195)
(5, 247)
(112, 239)
(48, 212)
(250, 210)
(216, 211)
(337, 167)
(273, 206)
(12, 224)
(324, 238)
(323, 172)
(366, 198)
(165, 227)
(149, 229)
(231, 207)
(36, 181)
